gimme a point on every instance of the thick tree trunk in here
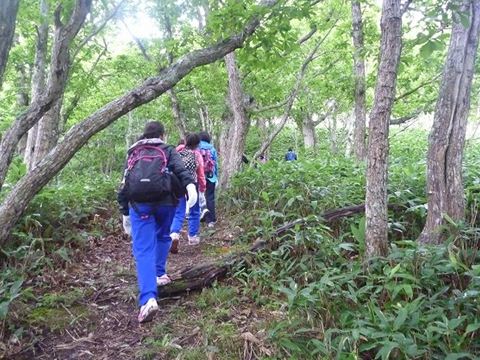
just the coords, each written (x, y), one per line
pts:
(48, 132)
(308, 131)
(8, 15)
(18, 199)
(360, 113)
(447, 138)
(234, 135)
(64, 35)
(376, 233)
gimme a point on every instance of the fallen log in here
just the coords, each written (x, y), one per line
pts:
(203, 275)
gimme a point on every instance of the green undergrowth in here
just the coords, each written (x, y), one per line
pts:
(73, 208)
(418, 303)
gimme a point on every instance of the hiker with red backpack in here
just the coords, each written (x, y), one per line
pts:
(194, 164)
(154, 179)
(210, 161)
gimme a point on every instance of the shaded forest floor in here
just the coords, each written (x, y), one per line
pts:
(88, 309)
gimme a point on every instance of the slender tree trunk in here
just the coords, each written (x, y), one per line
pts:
(447, 138)
(176, 110)
(177, 113)
(8, 15)
(235, 132)
(19, 197)
(360, 113)
(38, 80)
(376, 233)
(23, 100)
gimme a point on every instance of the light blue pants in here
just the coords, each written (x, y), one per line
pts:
(193, 218)
(151, 245)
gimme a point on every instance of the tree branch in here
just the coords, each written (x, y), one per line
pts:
(98, 28)
(138, 42)
(307, 36)
(405, 6)
(17, 200)
(410, 92)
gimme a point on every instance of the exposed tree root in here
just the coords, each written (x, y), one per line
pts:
(203, 275)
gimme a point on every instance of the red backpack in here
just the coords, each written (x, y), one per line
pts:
(208, 162)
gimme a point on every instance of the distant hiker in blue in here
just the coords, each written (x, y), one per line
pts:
(154, 178)
(290, 155)
(210, 163)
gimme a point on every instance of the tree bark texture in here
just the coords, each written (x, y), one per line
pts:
(447, 138)
(308, 131)
(59, 67)
(235, 132)
(23, 99)
(359, 147)
(376, 214)
(48, 131)
(8, 16)
(38, 79)
(17, 200)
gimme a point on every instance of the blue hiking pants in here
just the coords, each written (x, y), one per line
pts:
(193, 218)
(151, 245)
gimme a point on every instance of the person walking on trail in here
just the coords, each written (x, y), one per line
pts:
(193, 161)
(153, 180)
(210, 162)
(290, 155)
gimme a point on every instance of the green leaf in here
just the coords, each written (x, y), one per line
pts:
(400, 319)
(385, 350)
(472, 327)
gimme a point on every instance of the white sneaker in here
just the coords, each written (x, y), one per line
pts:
(163, 280)
(204, 212)
(175, 236)
(148, 311)
(211, 224)
(193, 240)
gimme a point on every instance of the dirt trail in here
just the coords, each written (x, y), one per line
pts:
(93, 311)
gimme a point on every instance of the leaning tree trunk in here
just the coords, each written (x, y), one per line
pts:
(38, 80)
(447, 138)
(234, 134)
(358, 55)
(376, 213)
(19, 197)
(8, 15)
